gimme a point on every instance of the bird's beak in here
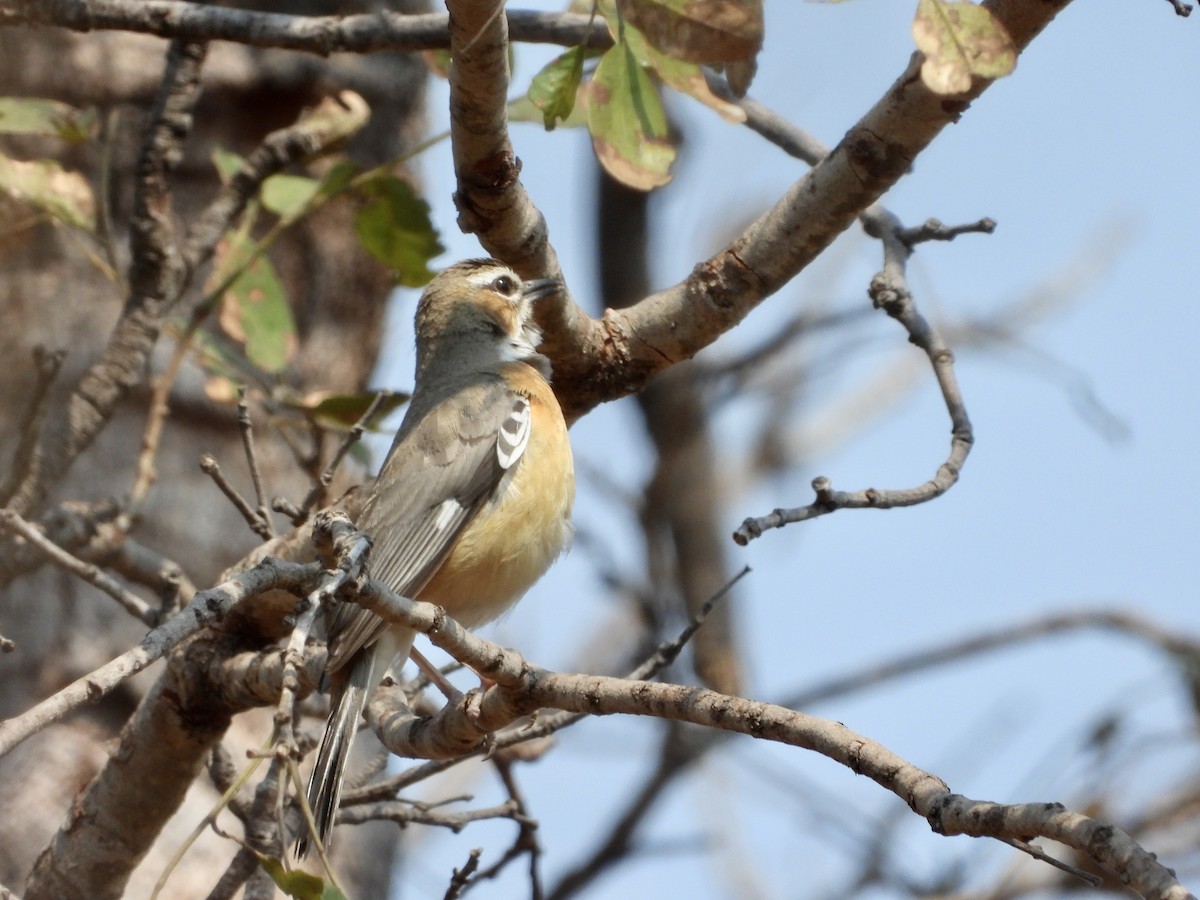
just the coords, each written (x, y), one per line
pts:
(540, 288)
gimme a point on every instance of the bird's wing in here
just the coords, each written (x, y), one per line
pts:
(445, 465)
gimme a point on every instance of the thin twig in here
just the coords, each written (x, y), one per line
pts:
(210, 467)
(93, 575)
(46, 365)
(889, 292)
(317, 495)
(1037, 853)
(246, 428)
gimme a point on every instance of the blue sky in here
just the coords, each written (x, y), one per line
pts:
(1085, 158)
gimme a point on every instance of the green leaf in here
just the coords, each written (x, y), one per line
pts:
(699, 31)
(554, 88)
(286, 195)
(46, 186)
(627, 121)
(339, 175)
(228, 163)
(960, 40)
(395, 228)
(32, 115)
(254, 309)
(523, 110)
(298, 883)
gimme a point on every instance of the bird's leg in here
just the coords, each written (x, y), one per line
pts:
(436, 678)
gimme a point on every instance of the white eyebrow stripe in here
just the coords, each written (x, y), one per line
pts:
(484, 277)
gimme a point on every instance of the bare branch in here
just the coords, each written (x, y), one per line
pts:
(521, 688)
(262, 514)
(210, 467)
(595, 361)
(318, 493)
(93, 575)
(889, 292)
(46, 365)
(374, 32)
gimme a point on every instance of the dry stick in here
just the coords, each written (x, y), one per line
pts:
(206, 607)
(210, 467)
(318, 492)
(262, 515)
(526, 841)
(460, 878)
(544, 724)
(889, 292)
(93, 575)
(145, 473)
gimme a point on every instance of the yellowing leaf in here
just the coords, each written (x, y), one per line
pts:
(699, 31)
(254, 309)
(46, 186)
(32, 115)
(553, 89)
(960, 40)
(627, 122)
(395, 228)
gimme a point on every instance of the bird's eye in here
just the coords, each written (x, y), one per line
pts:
(504, 285)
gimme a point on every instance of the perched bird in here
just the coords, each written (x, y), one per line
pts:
(473, 502)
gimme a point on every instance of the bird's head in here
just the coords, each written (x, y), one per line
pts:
(479, 310)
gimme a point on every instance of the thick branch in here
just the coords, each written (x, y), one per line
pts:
(596, 361)
(492, 202)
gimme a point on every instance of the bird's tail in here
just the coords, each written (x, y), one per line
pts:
(329, 770)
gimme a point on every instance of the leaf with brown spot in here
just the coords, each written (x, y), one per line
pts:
(960, 40)
(627, 122)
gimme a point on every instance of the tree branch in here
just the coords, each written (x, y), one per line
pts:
(154, 276)
(521, 688)
(364, 33)
(206, 607)
(599, 360)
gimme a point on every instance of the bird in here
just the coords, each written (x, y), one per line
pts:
(473, 501)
